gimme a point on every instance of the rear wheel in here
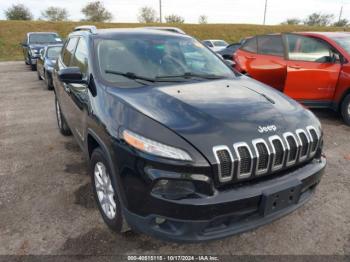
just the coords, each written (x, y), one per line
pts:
(104, 188)
(61, 122)
(48, 81)
(345, 109)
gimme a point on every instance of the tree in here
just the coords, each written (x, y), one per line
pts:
(341, 23)
(55, 14)
(291, 21)
(18, 12)
(174, 19)
(147, 15)
(96, 12)
(203, 19)
(318, 19)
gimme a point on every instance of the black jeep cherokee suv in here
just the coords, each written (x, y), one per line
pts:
(180, 146)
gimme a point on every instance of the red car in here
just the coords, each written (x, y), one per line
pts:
(311, 67)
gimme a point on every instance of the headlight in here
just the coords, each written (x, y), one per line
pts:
(34, 51)
(155, 148)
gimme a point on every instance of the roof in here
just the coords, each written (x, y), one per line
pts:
(32, 33)
(128, 31)
(327, 34)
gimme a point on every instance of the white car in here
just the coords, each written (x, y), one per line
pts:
(215, 44)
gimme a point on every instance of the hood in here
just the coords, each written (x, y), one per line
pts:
(36, 46)
(220, 112)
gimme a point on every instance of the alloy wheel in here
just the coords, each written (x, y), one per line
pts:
(104, 190)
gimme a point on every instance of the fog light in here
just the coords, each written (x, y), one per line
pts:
(173, 189)
(160, 220)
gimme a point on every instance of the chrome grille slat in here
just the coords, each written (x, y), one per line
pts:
(304, 141)
(314, 139)
(277, 159)
(245, 163)
(223, 176)
(262, 158)
(292, 148)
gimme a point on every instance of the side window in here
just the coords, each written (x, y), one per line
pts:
(303, 48)
(68, 50)
(80, 58)
(270, 45)
(250, 45)
(208, 43)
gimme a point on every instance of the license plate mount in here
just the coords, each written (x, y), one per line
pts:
(280, 197)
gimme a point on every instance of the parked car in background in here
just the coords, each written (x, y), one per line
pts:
(46, 62)
(227, 52)
(166, 28)
(179, 146)
(33, 42)
(215, 45)
(311, 67)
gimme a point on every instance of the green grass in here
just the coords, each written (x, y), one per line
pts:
(13, 32)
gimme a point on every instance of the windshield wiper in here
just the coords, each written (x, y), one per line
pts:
(130, 75)
(191, 75)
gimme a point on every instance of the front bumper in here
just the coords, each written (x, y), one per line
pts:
(33, 61)
(227, 212)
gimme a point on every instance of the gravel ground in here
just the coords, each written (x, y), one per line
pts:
(46, 205)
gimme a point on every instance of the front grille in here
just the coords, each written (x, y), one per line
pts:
(267, 157)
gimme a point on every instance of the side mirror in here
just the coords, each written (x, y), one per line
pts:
(230, 63)
(71, 75)
(22, 44)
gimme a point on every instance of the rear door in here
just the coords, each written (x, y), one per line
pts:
(313, 69)
(266, 63)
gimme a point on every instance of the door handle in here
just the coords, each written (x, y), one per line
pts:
(66, 88)
(295, 66)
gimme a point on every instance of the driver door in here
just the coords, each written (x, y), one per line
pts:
(312, 69)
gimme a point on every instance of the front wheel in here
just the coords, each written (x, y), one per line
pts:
(345, 109)
(104, 189)
(48, 80)
(61, 122)
(33, 67)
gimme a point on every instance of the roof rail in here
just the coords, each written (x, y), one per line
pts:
(91, 28)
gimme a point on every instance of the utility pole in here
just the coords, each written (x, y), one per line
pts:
(160, 11)
(265, 12)
(340, 13)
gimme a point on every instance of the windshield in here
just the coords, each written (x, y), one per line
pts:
(53, 52)
(220, 43)
(44, 38)
(157, 57)
(344, 42)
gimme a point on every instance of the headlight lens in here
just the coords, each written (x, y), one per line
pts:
(153, 147)
(33, 51)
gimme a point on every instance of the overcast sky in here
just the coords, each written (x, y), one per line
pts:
(218, 11)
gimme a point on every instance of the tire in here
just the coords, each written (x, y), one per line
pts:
(48, 81)
(39, 77)
(345, 109)
(61, 122)
(101, 178)
(33, 67)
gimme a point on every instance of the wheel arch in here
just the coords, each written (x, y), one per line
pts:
(93, 141)
(345, 94)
